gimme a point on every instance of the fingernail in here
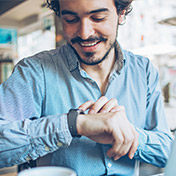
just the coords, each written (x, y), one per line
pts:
(110, 154)
(131, 156)
(103, 111)
(116, 158)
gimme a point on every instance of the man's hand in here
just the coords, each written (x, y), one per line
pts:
(102, 105)
(106, 123)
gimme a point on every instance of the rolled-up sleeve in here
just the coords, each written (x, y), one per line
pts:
(21, 141)
(25, 134)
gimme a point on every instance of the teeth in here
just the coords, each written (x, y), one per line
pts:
(88, 44)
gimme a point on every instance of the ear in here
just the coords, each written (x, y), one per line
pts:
(122, 17)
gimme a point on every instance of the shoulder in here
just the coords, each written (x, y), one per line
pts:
(48, 57)
(138, 62)
(131, 58)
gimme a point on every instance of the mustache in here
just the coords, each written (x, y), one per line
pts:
(91, 39)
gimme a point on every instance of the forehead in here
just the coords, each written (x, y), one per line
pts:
(85, 6)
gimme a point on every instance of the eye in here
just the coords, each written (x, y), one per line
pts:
(98, 18)
(71, 20)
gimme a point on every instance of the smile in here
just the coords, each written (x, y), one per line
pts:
(88, 44)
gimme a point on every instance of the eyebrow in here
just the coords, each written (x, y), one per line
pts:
(67, 12)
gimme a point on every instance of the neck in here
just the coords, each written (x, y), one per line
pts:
(100, 72)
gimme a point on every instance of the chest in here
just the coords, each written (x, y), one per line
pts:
(71, 90)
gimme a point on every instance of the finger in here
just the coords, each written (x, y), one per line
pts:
(118, 109)
(118, 141)
(114, 109)
(123, 150)
(127, 143)
(109, 105)
(134, 146)
(86, 105)
(96, 107)
(128, 136)
(129, 133)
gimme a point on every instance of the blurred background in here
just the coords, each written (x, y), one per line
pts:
(28, 27)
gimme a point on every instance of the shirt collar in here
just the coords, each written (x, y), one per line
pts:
(68, 53)
(73, 62)
(120, 59)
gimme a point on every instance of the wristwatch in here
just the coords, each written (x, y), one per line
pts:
(72, 118)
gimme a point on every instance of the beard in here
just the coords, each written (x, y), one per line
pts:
(90, 55)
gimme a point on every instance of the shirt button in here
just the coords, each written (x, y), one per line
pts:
(28, 159)
(59, 144)
(90, 81)
(47, 148)
(109, 165)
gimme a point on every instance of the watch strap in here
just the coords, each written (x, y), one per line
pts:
(72, 120)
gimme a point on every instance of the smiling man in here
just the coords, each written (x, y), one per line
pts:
(90, 31)
(88, 105)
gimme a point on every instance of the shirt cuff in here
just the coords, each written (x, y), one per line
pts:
(63, 130)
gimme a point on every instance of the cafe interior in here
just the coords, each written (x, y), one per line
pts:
(28, 27)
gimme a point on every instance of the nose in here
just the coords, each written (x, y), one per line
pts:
(86, 29)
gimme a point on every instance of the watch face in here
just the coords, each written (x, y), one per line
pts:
(80, 111)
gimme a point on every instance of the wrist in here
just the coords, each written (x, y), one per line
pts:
(79, 124)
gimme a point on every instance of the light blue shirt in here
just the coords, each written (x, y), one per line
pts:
(36, 97)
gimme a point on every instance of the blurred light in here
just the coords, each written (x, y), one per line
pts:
(156, 49)
(169, 21)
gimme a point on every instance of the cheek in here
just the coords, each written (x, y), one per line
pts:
(108, 29)
(69, 31)
(109, 32)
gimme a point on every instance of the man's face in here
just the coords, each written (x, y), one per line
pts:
(90, 27)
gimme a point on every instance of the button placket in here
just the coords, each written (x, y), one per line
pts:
(108, 161)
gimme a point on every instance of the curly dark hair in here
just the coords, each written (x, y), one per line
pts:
(120, 5)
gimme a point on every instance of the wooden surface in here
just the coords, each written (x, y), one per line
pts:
(9, 174)
(10, 171)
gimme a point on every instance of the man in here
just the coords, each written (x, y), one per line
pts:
(120, 118)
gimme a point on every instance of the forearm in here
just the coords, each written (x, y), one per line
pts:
(24, 140)
(154, 147)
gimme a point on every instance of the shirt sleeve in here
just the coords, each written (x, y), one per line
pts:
(24, 133)
(155, 139)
